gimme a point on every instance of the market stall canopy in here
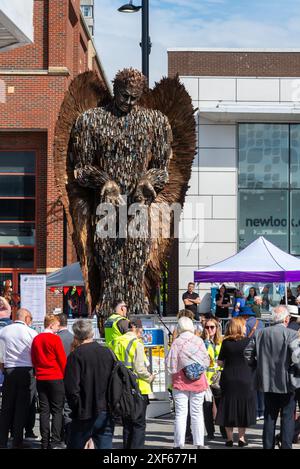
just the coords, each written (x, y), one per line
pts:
(261, 261)
(66, 277)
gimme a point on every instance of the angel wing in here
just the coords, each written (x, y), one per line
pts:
(171, 98)
(85, 91)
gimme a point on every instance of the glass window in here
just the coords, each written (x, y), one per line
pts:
(17, 186)
(17, 162)
(295, 155)
(17, 234)
(17, 210)
(16, 258)
(263, 156)
(87, 10)
(263, 213)
(295, 223)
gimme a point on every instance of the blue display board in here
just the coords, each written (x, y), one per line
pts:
(153, 337)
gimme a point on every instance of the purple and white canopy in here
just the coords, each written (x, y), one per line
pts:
(261, 261)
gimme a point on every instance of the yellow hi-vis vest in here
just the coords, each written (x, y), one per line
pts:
(124, 349)
(111, 330)
(213, 352)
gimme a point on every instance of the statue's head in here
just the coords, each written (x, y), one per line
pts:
(129, 85)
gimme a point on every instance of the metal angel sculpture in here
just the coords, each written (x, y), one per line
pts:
(134, 149)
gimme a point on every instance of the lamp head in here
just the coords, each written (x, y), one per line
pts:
(129, 8)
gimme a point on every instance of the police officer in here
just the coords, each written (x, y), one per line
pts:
(129, 349)
(117, 323)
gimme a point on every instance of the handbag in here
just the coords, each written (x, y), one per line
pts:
(194, 371)
(215, 384)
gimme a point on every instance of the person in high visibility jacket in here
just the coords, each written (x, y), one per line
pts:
(129, 349)
(213, 341)
(117, 323)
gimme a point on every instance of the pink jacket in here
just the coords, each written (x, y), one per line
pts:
(182, 383)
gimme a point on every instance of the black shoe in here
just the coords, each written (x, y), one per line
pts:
(189, 440)
(31, 436)
(210, 437)
(242, 443)
(58, 445)
(229, 443)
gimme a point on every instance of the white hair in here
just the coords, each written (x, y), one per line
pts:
(185, 324)
(279, 314)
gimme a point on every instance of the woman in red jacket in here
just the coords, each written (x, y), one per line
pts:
(49, 360)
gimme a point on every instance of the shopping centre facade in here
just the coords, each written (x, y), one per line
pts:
(245, 179)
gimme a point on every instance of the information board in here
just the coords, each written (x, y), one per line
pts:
(33, 295)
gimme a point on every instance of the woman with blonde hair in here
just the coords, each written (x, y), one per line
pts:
(237, 406)
(188, 350)
(213, 340)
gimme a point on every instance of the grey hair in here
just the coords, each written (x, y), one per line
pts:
(185, 324)
(279, 314)
(83, 329)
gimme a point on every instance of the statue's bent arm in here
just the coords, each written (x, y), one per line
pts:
(155, 179)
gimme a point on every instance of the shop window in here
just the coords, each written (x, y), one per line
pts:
(17, 162)
(295, 222)
(17, 234)
(18, 258)
(17, 186)
(17, 209)
(269, 165)
(263, 156)
(263, 213)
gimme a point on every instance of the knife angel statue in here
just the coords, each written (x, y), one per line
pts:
(116, 160)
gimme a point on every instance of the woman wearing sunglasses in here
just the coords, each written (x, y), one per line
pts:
(213, 340)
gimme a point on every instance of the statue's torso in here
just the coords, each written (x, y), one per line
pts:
(122, 145)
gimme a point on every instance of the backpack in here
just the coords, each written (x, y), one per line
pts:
(124, 397)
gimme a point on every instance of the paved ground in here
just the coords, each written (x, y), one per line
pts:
(160, 436)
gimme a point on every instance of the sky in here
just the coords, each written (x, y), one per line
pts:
(192, 23)
(181, 23)
(21, 13)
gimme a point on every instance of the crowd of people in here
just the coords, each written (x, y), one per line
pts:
(228, 379)
(253, 370)
(69, 375)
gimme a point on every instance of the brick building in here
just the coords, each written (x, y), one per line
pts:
(246, 174)
(33, 81)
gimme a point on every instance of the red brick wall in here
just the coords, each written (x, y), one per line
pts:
(33, 56)
(263, 64)
(28, 116)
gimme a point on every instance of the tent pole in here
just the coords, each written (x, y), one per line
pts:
(285, 292)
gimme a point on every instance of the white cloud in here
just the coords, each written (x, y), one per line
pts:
(20, 12)
(118, 35)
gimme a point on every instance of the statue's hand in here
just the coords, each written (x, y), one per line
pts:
(111, 193)
(144, 193)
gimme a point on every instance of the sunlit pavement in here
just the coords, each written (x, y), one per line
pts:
(159, 435)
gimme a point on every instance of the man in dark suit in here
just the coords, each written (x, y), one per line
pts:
(274, 349)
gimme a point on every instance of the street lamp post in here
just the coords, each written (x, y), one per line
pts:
(146, 41)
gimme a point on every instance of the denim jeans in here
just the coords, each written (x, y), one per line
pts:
(100, 429)
(260, 404)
